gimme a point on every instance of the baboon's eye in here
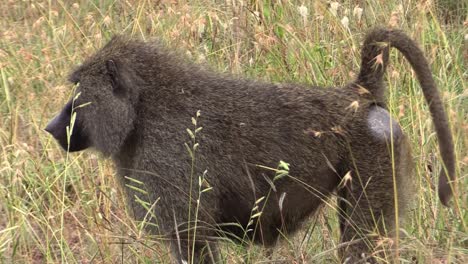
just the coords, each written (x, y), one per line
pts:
(74, 77)
(76, 86)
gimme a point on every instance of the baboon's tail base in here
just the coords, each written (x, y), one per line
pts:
(375, 55)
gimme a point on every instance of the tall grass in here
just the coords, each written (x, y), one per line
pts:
(59, 208)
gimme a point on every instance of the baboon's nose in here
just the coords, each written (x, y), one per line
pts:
(53, 127)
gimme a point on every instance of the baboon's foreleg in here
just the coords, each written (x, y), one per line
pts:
(200, 252)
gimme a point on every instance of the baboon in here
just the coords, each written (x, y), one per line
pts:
(135, 101)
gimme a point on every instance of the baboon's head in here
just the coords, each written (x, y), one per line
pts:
(101, 113)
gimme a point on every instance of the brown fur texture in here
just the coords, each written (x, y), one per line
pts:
(140, 99)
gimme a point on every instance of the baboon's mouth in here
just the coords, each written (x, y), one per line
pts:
(76, 140)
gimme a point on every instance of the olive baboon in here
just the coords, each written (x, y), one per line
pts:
(135, 102)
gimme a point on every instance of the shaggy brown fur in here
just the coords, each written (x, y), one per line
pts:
(140, 99)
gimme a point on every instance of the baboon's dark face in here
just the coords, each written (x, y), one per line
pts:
(77, 140)
(100, 114)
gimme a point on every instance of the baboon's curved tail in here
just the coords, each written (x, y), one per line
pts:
(375, 53)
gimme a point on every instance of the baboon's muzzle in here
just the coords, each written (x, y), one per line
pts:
(75, 141)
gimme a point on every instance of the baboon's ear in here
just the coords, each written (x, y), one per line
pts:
(114, 74)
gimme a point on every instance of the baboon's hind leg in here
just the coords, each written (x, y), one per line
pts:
(367, 204)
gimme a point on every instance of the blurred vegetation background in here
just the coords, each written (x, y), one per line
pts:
(60, 208)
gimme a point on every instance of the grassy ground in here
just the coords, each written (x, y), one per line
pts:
(59, 208)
